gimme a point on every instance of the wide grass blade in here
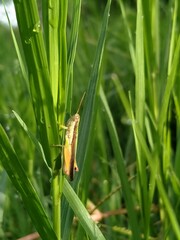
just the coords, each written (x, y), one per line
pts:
(46, 66)
(91, 101)
(20, 180)
(89, 114)
(39, 78)
(80, 211)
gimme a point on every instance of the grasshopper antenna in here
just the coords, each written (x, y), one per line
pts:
(81, 102)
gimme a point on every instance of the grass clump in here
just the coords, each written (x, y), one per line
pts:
(127, 62)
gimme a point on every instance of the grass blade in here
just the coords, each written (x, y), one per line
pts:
(169, 87)
(121, 168)
(33, 139)
(20, 180)
(80, 211)
(39, 77)
(89, 114)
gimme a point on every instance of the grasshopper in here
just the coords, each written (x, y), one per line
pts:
(70, 147)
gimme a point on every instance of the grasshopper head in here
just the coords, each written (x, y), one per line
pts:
(77, 117)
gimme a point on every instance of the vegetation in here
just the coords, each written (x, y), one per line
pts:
(125, 56)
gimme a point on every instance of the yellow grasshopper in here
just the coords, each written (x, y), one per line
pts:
(70, 147)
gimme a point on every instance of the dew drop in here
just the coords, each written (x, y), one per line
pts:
(28, 41)
(37, 28)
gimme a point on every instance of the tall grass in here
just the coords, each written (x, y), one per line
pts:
(50, 76)
(156, 73)
(128, 144)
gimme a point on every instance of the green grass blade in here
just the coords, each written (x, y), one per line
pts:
(21, 63)
(20, 180)
(169, 87)
(33, 139)
(63, 90)
(52, 31)
(39, 78)
(140, 113)
(45, 93)
(73, 37)
(89, 113)
(55, 33)
(72, 51)
(122, 95)
(121, 168)
(151, 50)
(90, 106)
(169, 208)
(80, 211)
(140, 81)
(173, 34)
(130, 41)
